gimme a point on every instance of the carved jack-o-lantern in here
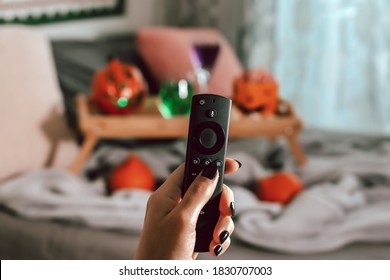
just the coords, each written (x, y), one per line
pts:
(119, 88)
(256, 91)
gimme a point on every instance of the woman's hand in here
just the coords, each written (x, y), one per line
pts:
(170, 220)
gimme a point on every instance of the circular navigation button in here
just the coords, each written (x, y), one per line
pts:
(208, 138)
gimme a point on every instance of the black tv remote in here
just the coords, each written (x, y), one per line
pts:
(206, 143)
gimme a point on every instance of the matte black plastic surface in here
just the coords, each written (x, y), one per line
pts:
(207, 142)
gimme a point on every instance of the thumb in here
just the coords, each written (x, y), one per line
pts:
(199, 192)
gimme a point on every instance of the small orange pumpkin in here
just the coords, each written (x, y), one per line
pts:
(256, 91)
(280, 187)
(132, 174)
(119, 88)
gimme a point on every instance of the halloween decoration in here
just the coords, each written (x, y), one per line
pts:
(119, 88)
(132, 174)
(256, 91)
(176, 97)
(280, 187)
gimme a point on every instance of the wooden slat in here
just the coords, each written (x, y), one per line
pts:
(148, 123)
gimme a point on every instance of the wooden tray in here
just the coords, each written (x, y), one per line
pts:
(148, 123)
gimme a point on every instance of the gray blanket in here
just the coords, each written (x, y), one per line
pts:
(346, 196)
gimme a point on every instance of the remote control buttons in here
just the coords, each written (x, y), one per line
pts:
(196, 161)
(209, 138)
(206, 161)
(211, 113)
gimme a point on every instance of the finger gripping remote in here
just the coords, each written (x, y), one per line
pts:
(206, 144)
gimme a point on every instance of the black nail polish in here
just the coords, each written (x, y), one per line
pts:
(217, 250)
(223, 236)
(239, 163)
(210, 171)
(233, 208)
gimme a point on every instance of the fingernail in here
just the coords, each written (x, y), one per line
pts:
(233, 208)
(239, 163)
(223, 236)
(217, 250)
(210, 171)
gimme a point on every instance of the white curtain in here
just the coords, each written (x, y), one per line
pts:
(257, 43)
(333, 62)
(331, 58)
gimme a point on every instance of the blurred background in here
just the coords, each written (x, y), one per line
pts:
(331, 58)
(312, 76)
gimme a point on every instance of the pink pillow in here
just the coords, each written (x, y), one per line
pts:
(166, 51)
(33, 128)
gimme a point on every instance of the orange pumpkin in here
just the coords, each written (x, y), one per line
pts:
(280, 187)
(132, 174)
(256, 91)
(119, 88)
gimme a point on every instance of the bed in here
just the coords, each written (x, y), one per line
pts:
(23, 239)
(26, 238)
(364, 160)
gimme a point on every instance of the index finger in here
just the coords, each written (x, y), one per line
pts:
(173, 184)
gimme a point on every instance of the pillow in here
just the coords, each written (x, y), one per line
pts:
(32, 123)
(166, 51)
